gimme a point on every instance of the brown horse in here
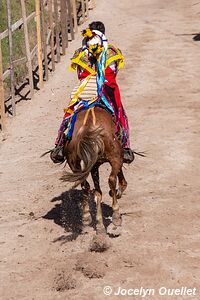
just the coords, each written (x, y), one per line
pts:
(93, 143)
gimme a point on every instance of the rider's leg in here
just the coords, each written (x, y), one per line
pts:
(57, 155)
(121, 120)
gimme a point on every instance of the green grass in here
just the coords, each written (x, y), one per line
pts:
(18, 36)
(15, 11)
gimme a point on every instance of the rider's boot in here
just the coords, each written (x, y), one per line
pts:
(128, 156)
(57, 155)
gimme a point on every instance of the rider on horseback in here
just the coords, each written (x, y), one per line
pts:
(88, 62)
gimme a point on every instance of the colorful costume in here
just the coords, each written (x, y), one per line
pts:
(100, 60)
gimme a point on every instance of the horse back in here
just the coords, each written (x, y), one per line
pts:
(93, 142)
(103, 119)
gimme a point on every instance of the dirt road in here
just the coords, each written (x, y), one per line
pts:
(159, 244)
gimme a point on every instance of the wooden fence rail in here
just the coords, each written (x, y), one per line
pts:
(55, 20)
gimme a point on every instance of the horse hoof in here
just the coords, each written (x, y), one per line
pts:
(101, 230)
(114, 231)
(87, 220)
(86, 230)
(99, 243)
(116, 219)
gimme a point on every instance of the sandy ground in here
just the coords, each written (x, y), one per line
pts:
(40, 256)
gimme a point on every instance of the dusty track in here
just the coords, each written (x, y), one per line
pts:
(159, 241)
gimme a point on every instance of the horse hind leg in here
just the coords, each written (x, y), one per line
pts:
(86, 216)
(99, 242)
(98, 197)
(116, 217)
(122, 184)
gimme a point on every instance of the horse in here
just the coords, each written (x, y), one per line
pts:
(93, 143)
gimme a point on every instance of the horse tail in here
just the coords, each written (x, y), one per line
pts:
(89, 146)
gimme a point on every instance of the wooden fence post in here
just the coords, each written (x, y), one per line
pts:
(87, 8)
(2, 103)
(74, 10)
(52, 34)
(57, 30)
(63, 17)
(28, 52)
(93, 4)
(11, 58)
(43, 25)
(39, 41)
(83, 9)
(70, 19)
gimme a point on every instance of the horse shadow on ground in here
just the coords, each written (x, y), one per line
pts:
(68, 214)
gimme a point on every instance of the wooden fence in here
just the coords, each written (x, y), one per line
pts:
(56, 22)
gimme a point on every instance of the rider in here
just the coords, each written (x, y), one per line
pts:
(86, 62)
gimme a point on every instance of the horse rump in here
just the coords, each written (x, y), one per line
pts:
(88, 146)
